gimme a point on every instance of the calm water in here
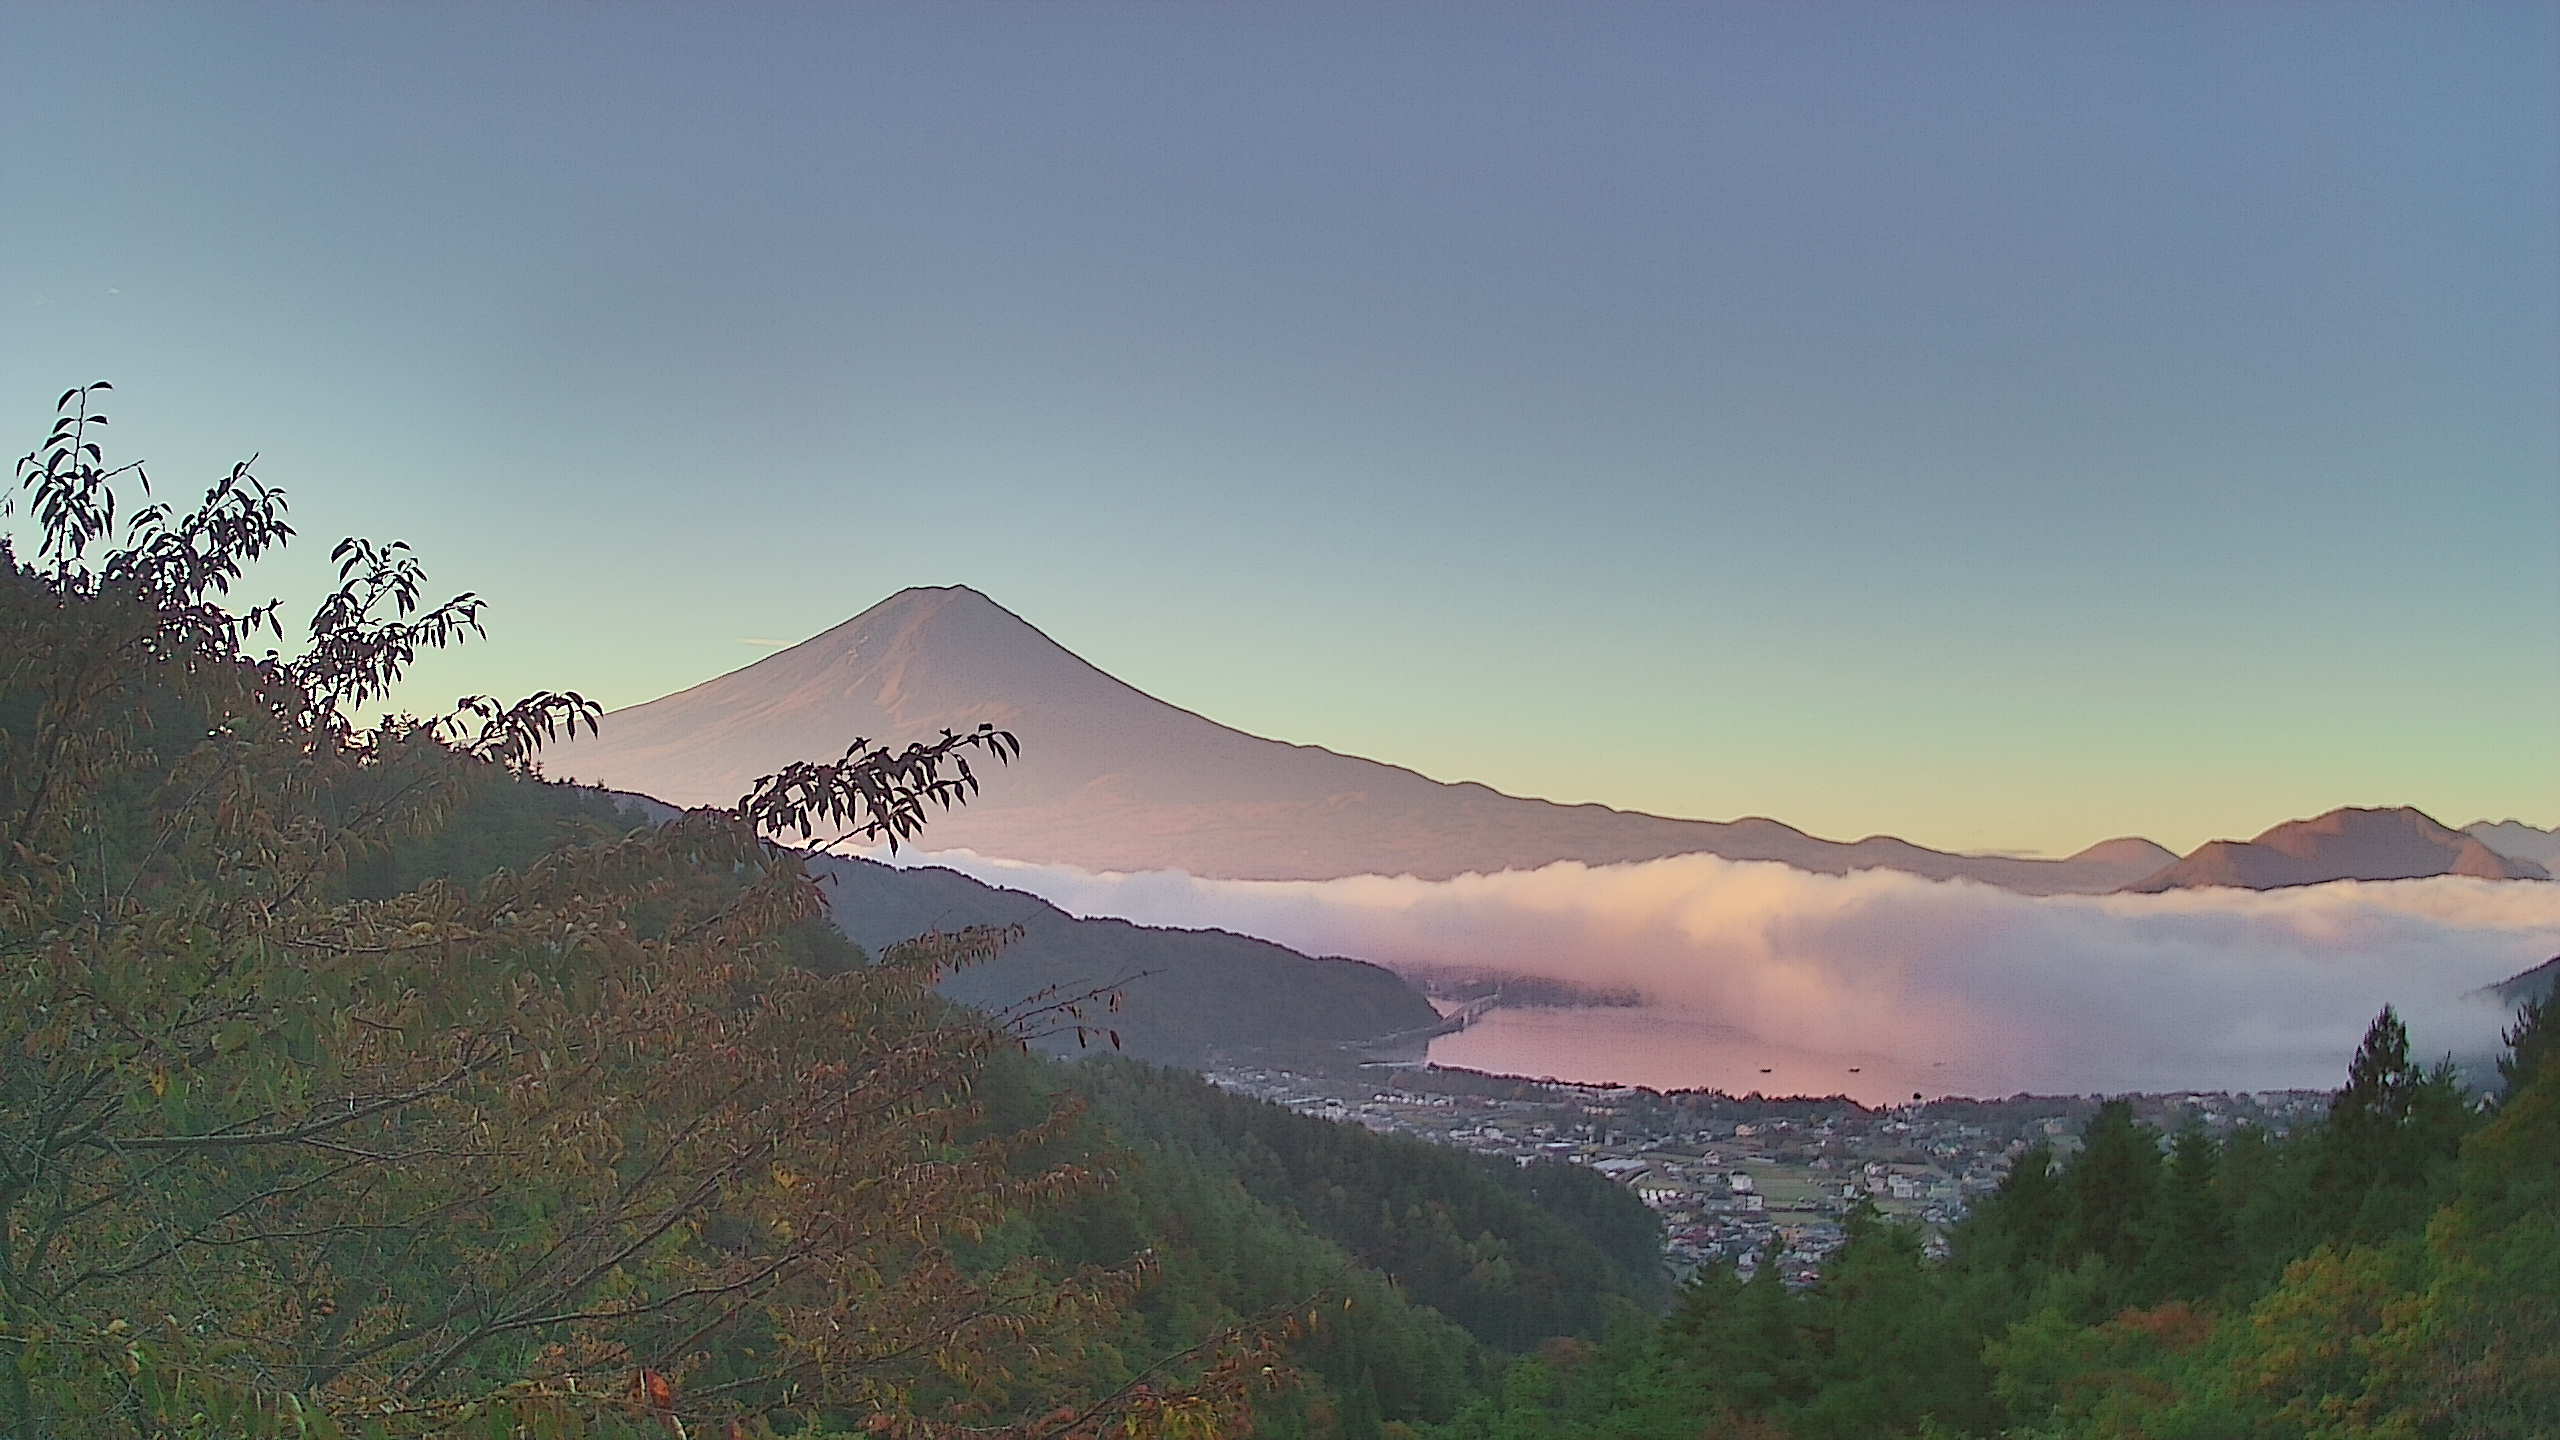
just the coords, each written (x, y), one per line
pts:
(1669, 1049)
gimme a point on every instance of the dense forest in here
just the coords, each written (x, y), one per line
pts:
(356, 1081)
(1514, 1254)
(2393, 1271)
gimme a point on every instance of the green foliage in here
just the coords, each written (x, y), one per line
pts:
(2190, 1247)
(2019, 1228)
(1515, 1254)
(2529, 1044)
(2392, 1272)
(2113, 1183)
(2390, 1141)
(353, 1081)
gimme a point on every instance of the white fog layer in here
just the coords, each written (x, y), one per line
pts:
(2196, 989)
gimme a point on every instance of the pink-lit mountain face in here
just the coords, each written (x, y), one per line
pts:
(2349, 844)
(1111, 778)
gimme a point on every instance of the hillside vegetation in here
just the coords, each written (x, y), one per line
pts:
(355, 1081)
(2391, 1272)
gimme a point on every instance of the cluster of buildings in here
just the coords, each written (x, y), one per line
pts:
(1739, 1180)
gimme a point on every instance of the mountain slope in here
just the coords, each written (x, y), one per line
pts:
(2539, 983)
(1185, 995)
(2347, 844)
(2518, 841)
(1113, 779)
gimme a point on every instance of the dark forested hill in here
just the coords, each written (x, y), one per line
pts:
(1427, 1269)
(1184, 995)
(2539, 983)
(1515, 1254)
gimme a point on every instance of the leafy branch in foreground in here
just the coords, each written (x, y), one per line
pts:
(295, 1135)
(875, 794)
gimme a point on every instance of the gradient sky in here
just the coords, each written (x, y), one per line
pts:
(2002, 426)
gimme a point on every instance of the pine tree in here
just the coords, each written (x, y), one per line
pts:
(2391, 1137)
(2379, 1080)
(1769, 1365)
(2191, 1251)
(2529, 1042)
(2112, 1185)
(2020, 1227)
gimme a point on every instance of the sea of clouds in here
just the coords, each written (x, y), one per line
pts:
(2195, 989)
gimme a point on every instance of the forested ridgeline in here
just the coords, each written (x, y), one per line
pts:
(354, 1081)
(1182, 995)
(1515, 1254)
(1437, 1266)
(2391, 1272)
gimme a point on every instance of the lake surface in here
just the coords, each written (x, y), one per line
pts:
(1671, 1049)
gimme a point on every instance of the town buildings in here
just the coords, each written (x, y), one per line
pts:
(1735, 1179)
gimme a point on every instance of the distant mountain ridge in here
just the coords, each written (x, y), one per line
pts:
(2518, 841)
(1113, 779)
(2398, 843)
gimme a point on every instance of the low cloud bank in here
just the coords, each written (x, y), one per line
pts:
(2198, 989)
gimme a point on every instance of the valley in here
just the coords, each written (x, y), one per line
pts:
(1731, 1175)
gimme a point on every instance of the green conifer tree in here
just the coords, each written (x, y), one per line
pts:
(2390, 1140)
(2529, 1042)
(2191, 1248)
(2021, 1227)
(2112, 1185)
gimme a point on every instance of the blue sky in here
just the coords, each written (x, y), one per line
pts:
(2003, 426)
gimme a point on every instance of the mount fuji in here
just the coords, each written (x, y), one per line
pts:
(1112, 778)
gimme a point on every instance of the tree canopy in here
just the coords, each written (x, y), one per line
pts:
(2389, 1272)
(328, 1101)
